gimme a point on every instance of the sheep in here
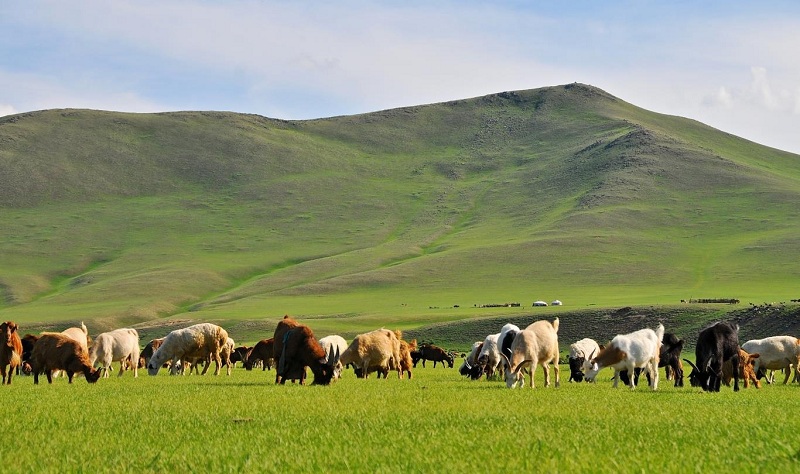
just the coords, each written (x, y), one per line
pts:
(198, 341)
(10, 350)
(375, 349)
(54, 351)
(118, 345)
(627, 352)
(535, 345)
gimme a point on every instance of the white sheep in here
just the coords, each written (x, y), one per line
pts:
(119, 345)
(195, 342)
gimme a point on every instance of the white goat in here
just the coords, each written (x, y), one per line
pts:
(639, 349)
(535, 345)
(339, 345)
(579, 352)
(490, 357)
(120, 345)
(775, 353)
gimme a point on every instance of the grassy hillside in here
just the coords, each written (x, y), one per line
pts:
(387, 218)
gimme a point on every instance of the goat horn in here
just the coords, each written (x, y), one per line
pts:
(693, 366)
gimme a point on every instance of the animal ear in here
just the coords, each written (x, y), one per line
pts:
(755, 356)
(602, 347)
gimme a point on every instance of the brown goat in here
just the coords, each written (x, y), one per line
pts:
(263, 351)
(54, 351)
(405, 355)
(747, 371)
(10, 350)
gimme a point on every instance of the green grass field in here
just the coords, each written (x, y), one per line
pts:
(436, 422)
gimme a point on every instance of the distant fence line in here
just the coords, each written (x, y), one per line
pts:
(712, 300)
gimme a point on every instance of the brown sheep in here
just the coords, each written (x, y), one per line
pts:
(54, 351)
(10, 350)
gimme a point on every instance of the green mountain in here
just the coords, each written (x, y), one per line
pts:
(392, 217)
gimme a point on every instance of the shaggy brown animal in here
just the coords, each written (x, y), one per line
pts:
(300, 349)
(405, 354)
(747, 371)
(10, 350)
(54, 351)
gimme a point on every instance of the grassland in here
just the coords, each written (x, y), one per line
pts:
(436, 422)
(388, 218)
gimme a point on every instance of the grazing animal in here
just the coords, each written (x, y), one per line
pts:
(639, 349)
(262, 351)
(239, 354)
(776, 353)
(80, 334)
(669, 357)
(716, 344)
(340, 345)
(436, 354)
(10, 350)
(27, 347)
(406, 363)
(300, 349)
(378, 350)
(536, 345)
(507, 334)
(118, 345)
(746, 370)
(149, 349)
(54, 351)
(194, 342)
(579, 352)
(489, 358)
(470, 368)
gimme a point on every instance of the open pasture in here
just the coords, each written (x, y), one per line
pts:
(438, 422)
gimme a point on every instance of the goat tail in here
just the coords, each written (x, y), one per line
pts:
(555, 324)
(660, 332)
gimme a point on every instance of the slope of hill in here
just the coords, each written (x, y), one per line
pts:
(391, 217)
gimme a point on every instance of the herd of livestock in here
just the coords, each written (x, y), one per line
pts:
(509, 354)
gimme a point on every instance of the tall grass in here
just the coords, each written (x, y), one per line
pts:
(437, 422)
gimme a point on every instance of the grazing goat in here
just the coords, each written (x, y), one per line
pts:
(10, 350)
(194, 342)
(507, 334)
(669, 357)
(300, 349)
(436, 354)
(536, 345)
(470, 368)
(627, 352)
(716, 344)
(239, 354)
(776, 353)
(54, 351)
(262, 351)
(406, 363)
(118, 345)
(80, 334)
(489, 358)
(147, 352)
(339, 345)
(375, 350)
(746, 370)
(579, 352)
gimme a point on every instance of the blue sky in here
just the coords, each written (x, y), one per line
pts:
(733, 65)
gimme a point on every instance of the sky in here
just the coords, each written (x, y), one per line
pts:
(734, 65)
